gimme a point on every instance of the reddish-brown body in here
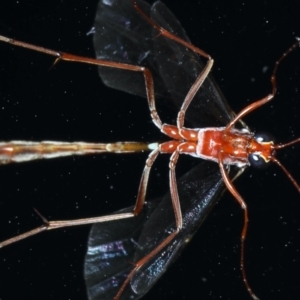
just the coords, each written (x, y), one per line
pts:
(207, 143)
(223, 145)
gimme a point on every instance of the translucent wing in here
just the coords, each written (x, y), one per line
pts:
(179, 67)
(123, 35)
(199, 189)
(114, 247)
(111, 251)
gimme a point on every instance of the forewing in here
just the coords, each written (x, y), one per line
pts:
(110, 254)
(123, 35)
(179, 67)
(114, 247)
(199, 190)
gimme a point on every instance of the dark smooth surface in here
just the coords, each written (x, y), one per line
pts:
(70, 103)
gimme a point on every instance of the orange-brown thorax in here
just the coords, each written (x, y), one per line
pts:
(207, 143)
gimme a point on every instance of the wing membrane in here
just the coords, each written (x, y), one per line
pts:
(123, 35)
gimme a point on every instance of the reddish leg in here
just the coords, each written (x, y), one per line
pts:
(225, 175)
(105, 63)
(49, 225)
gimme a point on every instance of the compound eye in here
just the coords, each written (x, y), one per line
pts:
(263, 137)
(257, 161)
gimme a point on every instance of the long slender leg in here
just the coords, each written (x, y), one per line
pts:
(199, 81)
(192, 92)
(149, 85)
(48, 225)
(243, 205)
(171, 236)
(170, 35)
(140, 200)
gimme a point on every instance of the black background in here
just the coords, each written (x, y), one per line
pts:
(70, 103)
